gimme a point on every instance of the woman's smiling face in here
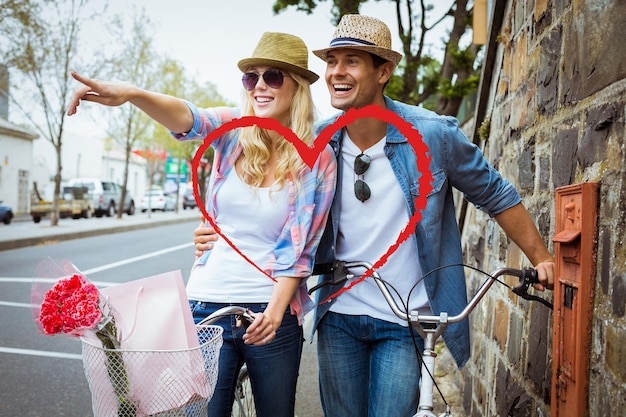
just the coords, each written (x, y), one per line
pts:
(272, 102)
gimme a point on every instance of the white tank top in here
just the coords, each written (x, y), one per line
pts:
(252, 218)
(368, 229)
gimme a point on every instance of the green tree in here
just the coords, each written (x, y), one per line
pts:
(175, 81)
(41, 44)
(128, 126)
(18, 18)
(420, 79)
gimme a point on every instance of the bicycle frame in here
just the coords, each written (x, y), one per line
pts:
(438, 324)
(243, 395)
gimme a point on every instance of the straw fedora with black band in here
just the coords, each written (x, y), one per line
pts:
(365, 33)
(283, 51)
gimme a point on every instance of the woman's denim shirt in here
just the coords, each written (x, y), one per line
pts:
(456, 162)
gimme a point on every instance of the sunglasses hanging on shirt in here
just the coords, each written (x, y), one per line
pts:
(361, 189)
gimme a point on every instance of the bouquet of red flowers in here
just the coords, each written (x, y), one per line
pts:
(133, 367)
(73, 307)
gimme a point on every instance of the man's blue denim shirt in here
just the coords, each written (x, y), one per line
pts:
(456, 162)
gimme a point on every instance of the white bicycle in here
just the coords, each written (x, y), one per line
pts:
(243, 404)
(164, 382)
(430, 328)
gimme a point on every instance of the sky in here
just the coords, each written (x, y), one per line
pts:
(209, 37)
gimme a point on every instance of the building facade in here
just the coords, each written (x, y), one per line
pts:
(26, 158)
(16, 154)
(16, 163)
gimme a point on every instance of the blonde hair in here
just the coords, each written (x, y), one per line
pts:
(256, 141)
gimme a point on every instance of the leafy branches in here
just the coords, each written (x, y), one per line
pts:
(41, 45)
(134, 63)
(421, 78)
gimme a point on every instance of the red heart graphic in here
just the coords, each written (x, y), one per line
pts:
(309, 156)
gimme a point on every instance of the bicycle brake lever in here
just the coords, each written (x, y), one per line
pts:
(536, 298)
(339, 271)
(528, 278)
(244, 319)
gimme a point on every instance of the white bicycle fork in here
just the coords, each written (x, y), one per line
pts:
(425, 408)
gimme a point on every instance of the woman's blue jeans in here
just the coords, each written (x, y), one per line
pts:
(368, 367)
(273, 368)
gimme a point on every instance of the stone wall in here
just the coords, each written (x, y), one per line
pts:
(555, 117)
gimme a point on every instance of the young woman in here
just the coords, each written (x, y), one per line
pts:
(266, 201)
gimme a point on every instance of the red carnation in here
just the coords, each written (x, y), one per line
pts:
(71, 306)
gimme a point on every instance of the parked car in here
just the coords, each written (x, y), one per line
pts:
(6, 213)
(157, 200)
(106, 196)
(189, 201)
(74, 202)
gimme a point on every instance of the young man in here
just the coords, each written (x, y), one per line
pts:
(368, 364)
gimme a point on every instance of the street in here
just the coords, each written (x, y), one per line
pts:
(43, 375)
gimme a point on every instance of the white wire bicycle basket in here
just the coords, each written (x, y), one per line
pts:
(166, 383)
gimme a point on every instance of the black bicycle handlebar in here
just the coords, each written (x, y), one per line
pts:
(528, 278)
(341, 274)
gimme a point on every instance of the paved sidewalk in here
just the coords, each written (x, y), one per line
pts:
(24, 233)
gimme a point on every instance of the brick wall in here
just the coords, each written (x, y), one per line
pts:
(556, 113)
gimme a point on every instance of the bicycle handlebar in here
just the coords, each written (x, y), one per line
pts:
(243, 315)
(527, 276)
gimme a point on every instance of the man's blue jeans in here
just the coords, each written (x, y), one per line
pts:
(368, 367)
(273, 368)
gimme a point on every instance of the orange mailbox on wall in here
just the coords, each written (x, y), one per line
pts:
(575, 254)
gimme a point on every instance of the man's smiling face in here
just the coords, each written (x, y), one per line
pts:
(352, 79)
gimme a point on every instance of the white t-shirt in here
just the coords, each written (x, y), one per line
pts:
(366, 231)
(252, 218)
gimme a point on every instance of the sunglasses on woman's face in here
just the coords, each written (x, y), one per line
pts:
(273, 78)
